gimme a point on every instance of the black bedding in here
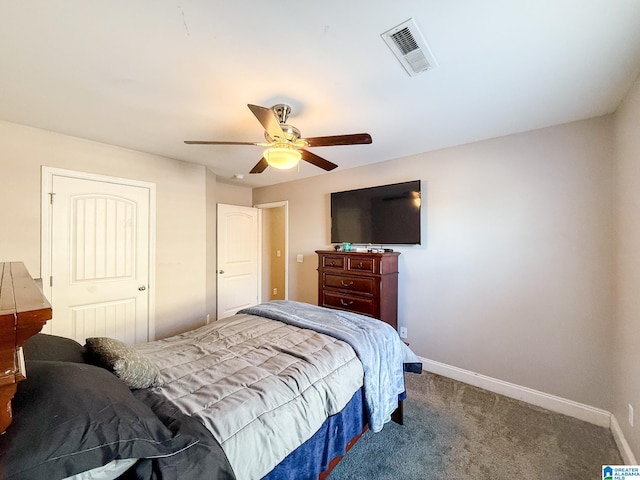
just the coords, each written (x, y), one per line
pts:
(55, 349)
(205, 459)
(70, 417)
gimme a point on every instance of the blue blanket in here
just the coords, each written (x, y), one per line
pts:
(376, 343)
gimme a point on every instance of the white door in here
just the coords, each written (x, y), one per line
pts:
(237, 258)
(99, 259)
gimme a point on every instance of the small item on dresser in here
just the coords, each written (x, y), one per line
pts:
(346, 247)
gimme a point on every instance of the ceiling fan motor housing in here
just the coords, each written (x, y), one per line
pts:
(291, 133)
(282, 111)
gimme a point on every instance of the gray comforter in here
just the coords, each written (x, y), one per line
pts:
(260, 386)
(376, 343)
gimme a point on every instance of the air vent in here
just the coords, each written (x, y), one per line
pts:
(409, 46)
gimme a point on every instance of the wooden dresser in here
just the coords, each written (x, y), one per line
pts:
(365, 283)
(23, 313)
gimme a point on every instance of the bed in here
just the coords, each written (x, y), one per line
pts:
(277, 391)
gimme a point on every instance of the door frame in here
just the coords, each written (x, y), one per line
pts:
(46, 225)
(260, 207)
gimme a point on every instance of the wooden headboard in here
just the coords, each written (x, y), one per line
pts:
(23, 312)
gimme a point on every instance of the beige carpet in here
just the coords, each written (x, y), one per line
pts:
(455, 431)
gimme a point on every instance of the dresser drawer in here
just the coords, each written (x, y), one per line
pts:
(361, 264)
(365, 306)
(354, 284)
(329, 261)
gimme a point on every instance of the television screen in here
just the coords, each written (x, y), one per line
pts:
(383, 215)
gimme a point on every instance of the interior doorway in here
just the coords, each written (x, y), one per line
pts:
(274, 251)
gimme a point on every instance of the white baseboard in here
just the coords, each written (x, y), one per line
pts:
(554, 403)
(623, 446)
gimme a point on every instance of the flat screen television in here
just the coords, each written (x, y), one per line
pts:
(382, 215)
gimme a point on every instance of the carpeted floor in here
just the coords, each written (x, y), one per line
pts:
(455, 431)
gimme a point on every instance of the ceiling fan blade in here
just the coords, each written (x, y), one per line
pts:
(268, 120)
(353, 139)
(206, 142)
(316, 160)
(260, 166)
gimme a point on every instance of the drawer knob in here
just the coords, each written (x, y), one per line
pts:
(333, 264)
(360, 265)
(346, 284)
(344, 303)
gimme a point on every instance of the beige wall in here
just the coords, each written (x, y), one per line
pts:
(626, 348)
(233, 195)
(514, 276)
(181, 212)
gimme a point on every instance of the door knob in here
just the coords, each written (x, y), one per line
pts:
(142, 288)
(221, 272)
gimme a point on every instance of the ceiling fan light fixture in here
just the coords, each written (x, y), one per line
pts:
(282, 157)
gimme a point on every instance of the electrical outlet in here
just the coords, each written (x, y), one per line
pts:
(403, 332)
(208, 318)
(275, 291)
(630, 415)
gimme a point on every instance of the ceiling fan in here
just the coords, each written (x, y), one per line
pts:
(285, 145)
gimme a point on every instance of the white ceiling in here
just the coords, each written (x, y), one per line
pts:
(148, 74)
